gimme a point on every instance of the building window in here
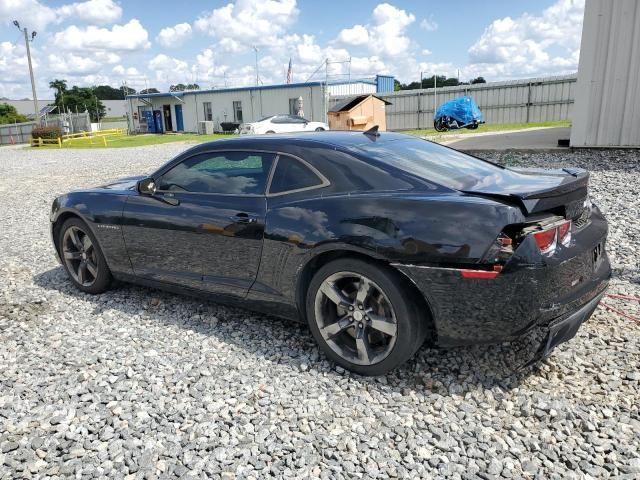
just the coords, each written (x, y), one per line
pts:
(237, 112)
(208, 114)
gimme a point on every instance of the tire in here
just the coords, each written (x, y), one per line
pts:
(319, 129)
(375, 339)
(84, 250)
(473, 126)
(439, 126)
(270, 132)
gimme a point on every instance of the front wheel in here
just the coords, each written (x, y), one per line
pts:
(362, 317)
(440, 125)
(319, 129)
(82, 258)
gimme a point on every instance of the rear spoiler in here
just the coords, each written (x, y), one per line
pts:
(570, 194)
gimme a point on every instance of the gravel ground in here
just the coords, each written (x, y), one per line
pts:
(137, 383)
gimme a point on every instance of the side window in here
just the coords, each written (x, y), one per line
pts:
(292, 174)
(219, 172)
(281, 119)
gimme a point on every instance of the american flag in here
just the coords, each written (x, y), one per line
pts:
(289, 73)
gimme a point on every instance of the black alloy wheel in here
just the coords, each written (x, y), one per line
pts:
(82, 258)
(362, 317)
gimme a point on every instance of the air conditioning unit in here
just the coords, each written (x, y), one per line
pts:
(205, 128)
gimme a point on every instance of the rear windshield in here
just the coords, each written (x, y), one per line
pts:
(432, 162)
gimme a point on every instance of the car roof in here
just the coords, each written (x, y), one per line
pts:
(331, 139)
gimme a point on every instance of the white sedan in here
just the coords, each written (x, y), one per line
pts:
(282, 124)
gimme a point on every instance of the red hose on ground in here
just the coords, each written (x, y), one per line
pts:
(615, 310)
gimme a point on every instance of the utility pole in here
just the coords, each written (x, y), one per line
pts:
(36, 110)
(255, 49)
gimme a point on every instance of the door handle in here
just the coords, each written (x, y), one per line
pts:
(242, 218)
(167, 198)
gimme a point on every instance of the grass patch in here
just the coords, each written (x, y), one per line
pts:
(113, 119)
(430, 132)
(142, 140)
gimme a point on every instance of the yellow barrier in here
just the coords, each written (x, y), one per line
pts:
(111, 132)
(100, 134)
(42, 142)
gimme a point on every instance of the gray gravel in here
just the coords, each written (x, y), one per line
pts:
(137, 383)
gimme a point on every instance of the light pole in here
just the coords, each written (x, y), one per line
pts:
(255, 49)
(36, 110)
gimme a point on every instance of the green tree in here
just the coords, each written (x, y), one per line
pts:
(83, 99)
(149, 90)
(106, 92)
(9, 114)
(126, 91)
(60, 87)
(478, 80)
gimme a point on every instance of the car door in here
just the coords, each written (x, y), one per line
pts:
(203, 228)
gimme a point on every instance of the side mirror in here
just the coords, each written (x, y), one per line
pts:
(147, 186)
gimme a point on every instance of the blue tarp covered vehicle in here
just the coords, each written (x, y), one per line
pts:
(461, 112)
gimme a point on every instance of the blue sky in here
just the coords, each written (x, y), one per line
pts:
(157, 43)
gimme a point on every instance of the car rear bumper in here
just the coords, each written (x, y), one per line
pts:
(525, 296)
(564, 329)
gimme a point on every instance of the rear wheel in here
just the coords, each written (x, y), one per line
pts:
(270, 132)
(82, 258)
(362, 318)
(319, 129)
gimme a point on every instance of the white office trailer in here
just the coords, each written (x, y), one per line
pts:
(207, 111)
(607, 105)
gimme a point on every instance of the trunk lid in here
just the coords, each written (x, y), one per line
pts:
(537, 190)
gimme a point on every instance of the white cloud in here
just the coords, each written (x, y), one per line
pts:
(250, 22)
(128, 37)
(30, 13)
(98, 12)
(429, 24)
(388, 34)
(172, 37)
(426, 51)
(530, 45)
(356, 35)
(129, 72)
(229, 45)
(37, 16)
(206, 68)
(74, 65)
(385, 37)
(13, 63)
(169, 70)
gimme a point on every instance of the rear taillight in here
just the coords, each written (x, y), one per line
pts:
(564, 233)
(548, 239)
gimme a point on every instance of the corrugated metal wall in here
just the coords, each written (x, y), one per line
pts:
(532, 100)
(607, 111)
(256, 102)
(351, 88)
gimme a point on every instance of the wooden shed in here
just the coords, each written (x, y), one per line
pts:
(361, 112)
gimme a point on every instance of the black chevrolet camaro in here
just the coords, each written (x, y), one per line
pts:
(378, 241)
